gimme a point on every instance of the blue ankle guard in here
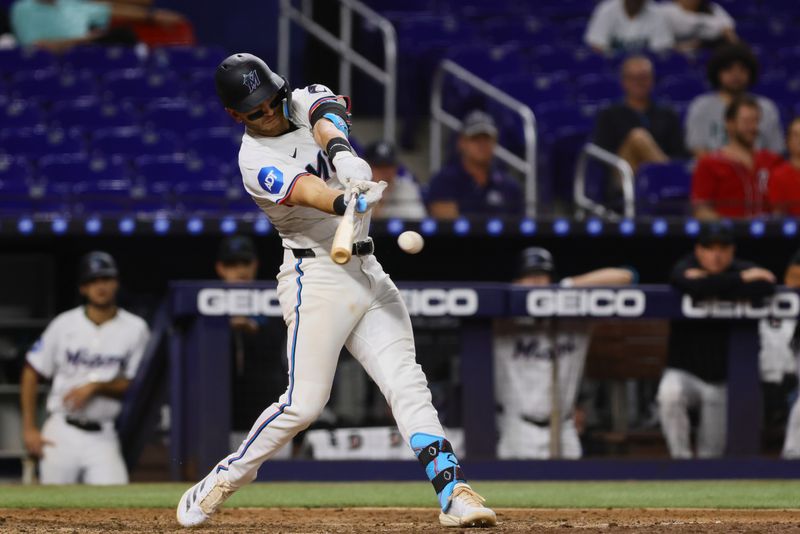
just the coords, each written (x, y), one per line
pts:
(436, 455)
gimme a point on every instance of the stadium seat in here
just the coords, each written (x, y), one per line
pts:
(680, 89)
(91, 114)
(140, 86)
(13, 170)
(14, 60)
(663, 189)
(105, 196)
(47, 85)
(134, 142)
(101, 58)
(221, 144)
(199, 86)
(62, 173)
(21, 114)
(598, 88)
(180, 115)
(38, 142)
(202, 195)
(188, 58)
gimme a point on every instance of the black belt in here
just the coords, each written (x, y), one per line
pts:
(362, 248)
(542, 423)
(88, 426)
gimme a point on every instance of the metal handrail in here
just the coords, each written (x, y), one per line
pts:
(342, 45)
(439, 117)
(590, 150)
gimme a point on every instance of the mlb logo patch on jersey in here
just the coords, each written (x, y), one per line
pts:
(270, 179)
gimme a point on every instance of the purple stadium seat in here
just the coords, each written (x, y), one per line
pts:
(557, 116)
(221, 144)
(63, 173)
(90, 114)
(21, 114)
(189, 58)
(134, 142)
(663, 189)
(487, 61)
(532, 89)
(598, 88)
(101, 58)
(525, 30)
(242, 204)
(200, 86)
(47, 85)
(14, 60)
(101, 197)
(679, 89)
(15, 206)
(14, 171)
(781, 91)
(141, 86)
(180, 115)
(37, 142)
(202, 196)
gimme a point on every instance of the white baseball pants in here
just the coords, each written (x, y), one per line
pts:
(677, 393)
(520, 439)
(80, 456)
(326, 306)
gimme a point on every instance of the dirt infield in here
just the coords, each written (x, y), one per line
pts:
(368, 520)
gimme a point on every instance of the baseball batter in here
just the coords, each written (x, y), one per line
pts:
(90, 353)
(300, 169)
(537, 361)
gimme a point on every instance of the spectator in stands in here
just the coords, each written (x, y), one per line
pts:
(732, 182)
(697, 362)
(524, 350)
(638, 129)
(732, 70)
(783, 189)
(257, 342)
(473, 185)
(628, 26)
(698, 24)
(58, 25)
(401, 198)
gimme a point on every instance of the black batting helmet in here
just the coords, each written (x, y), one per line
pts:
(97, 264)
(534, 260)
(244, 81)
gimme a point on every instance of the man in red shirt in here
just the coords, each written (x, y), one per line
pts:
(784, 185)
(732, 182)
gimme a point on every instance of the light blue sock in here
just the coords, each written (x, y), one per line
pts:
(441, 465)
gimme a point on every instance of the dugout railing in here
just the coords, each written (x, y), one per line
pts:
(199, 364)
(343, 46)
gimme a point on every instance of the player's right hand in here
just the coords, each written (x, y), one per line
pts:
(34, 442)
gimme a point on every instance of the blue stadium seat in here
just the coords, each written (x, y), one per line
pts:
(47, 85)
(663, 189)
(21, 114)
(62, 173)
(533, 90)
(13, 60)
(598, 88)
(101, 58)
(781, 91)
(158, 174)
(202, 195)
(181, 115)
(91, 114)
(199, 86)
(134, 142)
(530, 31)
(140, 86)
(13, 170)
(680, 89)
(38, 142)
(221, 144)
(556, 116)
(189, 58)
(105, 196)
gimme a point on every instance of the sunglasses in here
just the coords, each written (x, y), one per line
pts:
(276, 101)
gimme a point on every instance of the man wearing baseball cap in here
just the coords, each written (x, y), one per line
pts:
(473, 184)
(697, 362)
(90, 354)
(402, 198)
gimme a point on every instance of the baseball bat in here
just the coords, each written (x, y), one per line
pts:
(342, 247)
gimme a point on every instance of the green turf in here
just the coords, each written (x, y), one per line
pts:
(703, 494)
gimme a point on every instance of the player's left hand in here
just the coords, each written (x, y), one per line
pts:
(369, 194)
(351, 168)
(77, 398)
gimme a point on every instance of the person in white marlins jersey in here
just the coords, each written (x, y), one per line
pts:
(298, 166)
(523, 365)
(91, 354)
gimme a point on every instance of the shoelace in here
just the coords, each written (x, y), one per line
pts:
(469, 495)
(218, 495)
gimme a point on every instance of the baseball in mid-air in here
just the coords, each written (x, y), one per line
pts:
(410, 242)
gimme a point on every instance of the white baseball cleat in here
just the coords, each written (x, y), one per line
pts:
(467, 510)
(202, 500)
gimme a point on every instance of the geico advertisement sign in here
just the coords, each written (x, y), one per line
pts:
(781, 306)
(586, 302)
(425, 302)
(218, 301)
(436, 302)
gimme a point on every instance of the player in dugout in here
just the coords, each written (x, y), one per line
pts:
(90, 353)
(537, 359)
(697, 361)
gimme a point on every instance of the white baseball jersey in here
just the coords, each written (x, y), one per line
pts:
(74, 351)
(776, 357)
(271, 166)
